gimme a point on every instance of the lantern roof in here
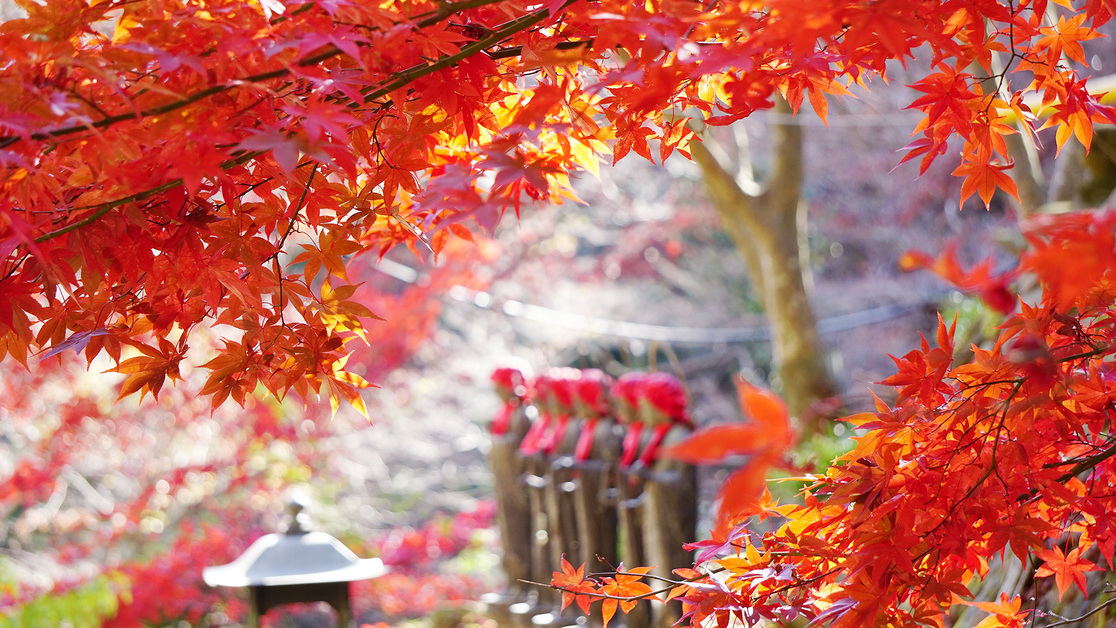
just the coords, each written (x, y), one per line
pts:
(286, 559)
(293, 558)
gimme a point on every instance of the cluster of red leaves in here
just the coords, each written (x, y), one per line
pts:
(167, 588)
(419, 582)
(436, 540)
(980, 280)
(401, 596)
(163, 518)
(1011, 452)
(208, 510)
(165, 166)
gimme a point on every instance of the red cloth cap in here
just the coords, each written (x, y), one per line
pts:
(592, 392)
(507, 378)
(666, 394)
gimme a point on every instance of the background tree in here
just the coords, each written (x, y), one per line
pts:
(767, 223)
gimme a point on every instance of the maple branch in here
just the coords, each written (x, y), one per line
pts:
(420, 70)
(674, 583)
(628, 598)
(283, 240)
(1099, 608)
(999, 428)
(1087, 463)
(401, 79)
(991, 465)
(436, 16)
(103, 208)
(515, 51)
(1098, 349)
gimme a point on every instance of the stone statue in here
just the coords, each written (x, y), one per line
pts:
(534, 480)
(559, 449)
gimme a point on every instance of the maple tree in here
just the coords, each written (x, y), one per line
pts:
(170, 165)
(1005, 455)
(103, 532)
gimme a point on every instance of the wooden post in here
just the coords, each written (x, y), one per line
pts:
(595, 458)
(629, 487)
(513, 509)
(535, 478)
(595, 510)
(670, 487)
(564, 542)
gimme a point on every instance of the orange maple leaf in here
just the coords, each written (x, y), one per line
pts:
(625, 591)
(718, 442)
(1066, 568)
(983, 178)
(980, 279)
(1065, 38)
(571, 582)
(1003, 613)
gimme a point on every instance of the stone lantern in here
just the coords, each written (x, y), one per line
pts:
(296, 566)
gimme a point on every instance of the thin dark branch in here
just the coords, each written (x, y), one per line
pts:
(103, 208)
(401, 79)
(283, 240)
(420, 70)
(434, 17)
(1074, 620)
(515, 51)
(1089, 463)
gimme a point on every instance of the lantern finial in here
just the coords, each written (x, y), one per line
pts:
(299, 520)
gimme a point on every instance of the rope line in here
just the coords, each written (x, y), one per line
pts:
(592, 325)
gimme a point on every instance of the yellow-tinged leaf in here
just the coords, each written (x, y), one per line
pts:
(752, 553)
(136, 365)
(357, 402)
(860, 418)
(339, 293)
(329, 390)
(124, 25)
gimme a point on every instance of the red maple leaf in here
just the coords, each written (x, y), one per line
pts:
(983, 178)
(980, 280)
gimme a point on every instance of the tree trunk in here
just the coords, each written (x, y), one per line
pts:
(767, 228)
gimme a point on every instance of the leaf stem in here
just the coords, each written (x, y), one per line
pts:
(1074, 620)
